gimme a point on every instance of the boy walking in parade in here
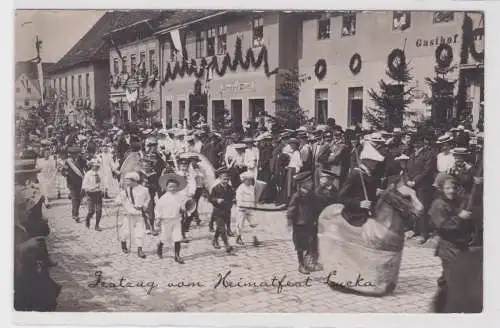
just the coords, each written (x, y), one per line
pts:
(222, 197)
(91, 185)
(135, 200)
(245, 200)
(301, 216)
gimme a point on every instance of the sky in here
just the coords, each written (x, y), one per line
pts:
(59, 30)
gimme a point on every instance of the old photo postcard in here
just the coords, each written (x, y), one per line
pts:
(249, 161)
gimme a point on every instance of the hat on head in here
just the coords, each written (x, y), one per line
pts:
(264, 136)
(221, 171)
(302, 135)
(151, 141)
(374, 137)
(402, 157)
(246, 175)
(369, 152)
(461, 151)
(303, 177)
(194, 158)
(293, 141)
(444, 139)
(248, 140)
(328, 174)
(397, 130)
(134, 176)
(322, 127)
(239, 146)
(301, 129)
(95, 162)
(169, 177)
(460, 128)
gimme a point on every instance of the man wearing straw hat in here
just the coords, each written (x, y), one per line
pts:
(134, 200)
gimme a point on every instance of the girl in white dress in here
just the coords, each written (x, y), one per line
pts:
(108, 166)
(46, 177)
(169, 211)
(445, 159)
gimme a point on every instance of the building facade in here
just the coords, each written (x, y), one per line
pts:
(226, 62)
(27, 86)
(134, 69)
(347, 54)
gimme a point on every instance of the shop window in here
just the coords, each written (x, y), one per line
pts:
(152, 61)
(124, 65)
(401, 20)
(355, 105)
(87, 85)
(442, 17)
(79, 86)
(133, 64)
(200, 36)
(258, 32)
(218, 112)
(168, 114)
(321, 105)
(255, 106)
(211, 42)
(116, 69)
(182, 109)
(324, 29)
(142, 60)
(349, 24)
(237, 113)
(221, 39)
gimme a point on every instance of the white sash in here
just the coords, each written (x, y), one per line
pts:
(74, 168)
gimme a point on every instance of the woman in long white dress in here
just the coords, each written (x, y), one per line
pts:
(108, 166)
(46, 177)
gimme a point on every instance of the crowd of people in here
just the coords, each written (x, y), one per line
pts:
(163, 180)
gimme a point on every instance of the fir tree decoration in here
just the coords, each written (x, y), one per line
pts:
(393, 99)
(442, 100)
(289, 113)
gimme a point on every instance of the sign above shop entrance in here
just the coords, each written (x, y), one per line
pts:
(436, 41)
(237, 86)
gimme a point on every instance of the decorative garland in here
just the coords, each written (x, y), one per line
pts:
(320, 69)
(396, 53)
(355, 64)
(191, 68)
(444, 61)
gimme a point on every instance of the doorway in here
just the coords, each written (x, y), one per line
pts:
(237, 113)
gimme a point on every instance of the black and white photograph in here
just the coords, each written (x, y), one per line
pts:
(248, 161)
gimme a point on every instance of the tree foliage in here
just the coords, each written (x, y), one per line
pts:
(392, 101)
(289, 113)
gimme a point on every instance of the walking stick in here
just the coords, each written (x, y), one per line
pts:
(116, 220)
(361, 177)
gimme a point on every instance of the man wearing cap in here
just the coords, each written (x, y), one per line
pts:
(300, 215)
(358, 204)
(421, 170)
(91, 186)
(338, 159)
(134, 200)
(462, 171)
(74, 168)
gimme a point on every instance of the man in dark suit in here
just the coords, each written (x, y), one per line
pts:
(320, 153)
(74, 170)
(421, 170)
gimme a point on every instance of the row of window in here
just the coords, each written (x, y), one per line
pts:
(354, 105)
(58, 85)
(134, 65)
(400, 22)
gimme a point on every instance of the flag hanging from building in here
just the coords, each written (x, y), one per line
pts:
(176, 40)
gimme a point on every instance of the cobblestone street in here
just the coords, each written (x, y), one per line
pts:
(81, 252)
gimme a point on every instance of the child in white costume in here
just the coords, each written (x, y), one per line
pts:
(245, 201)
(169, 211)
